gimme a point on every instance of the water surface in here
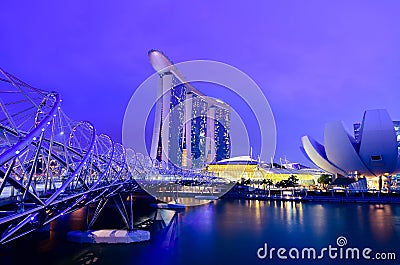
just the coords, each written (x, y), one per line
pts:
(223, 232)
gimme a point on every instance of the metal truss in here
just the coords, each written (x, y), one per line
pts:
(51, 165)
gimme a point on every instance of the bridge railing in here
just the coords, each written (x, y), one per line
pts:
(51, 165)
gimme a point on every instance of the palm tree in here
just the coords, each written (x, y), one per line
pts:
(293, 180)
(324, 180)
(269, 183)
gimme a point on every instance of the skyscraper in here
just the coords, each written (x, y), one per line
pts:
(190, 129)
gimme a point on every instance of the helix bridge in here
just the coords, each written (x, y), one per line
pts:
(51, 165)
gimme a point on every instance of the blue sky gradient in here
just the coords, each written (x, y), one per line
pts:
(316, 61)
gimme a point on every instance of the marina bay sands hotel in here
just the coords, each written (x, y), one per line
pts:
(190, 129)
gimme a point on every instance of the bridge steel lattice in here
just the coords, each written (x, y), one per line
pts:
(51, 165)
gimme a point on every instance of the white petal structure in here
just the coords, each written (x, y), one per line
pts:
(316, 153)
(341, 149)
(378, 145)
(375, 154)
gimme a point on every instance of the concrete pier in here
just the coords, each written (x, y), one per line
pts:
(108, 236)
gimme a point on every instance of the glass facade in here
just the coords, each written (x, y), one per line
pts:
(222, 137)
(177, 96)
(198, 131)
(397, 130)
(186, 105)
(357, 128)
(176, 119)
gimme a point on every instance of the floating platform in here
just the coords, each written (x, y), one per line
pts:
(206, 197)
(108, 236)
(169, 205)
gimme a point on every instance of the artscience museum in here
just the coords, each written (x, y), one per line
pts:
(373, 154)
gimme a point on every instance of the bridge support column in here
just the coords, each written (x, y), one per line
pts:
(111, 236)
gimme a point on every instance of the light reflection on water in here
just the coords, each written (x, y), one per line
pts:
(228, 232)
(381, 217)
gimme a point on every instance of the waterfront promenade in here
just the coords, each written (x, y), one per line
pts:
(242, 192)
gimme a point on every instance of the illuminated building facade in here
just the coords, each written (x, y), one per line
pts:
(397, 130)
(373, 152)
(222, 125)
(244, 167)
(190, 129)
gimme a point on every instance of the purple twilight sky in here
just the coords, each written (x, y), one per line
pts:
(316, 61)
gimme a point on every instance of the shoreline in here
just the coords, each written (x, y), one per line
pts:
(310, 196)
(349, 199)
